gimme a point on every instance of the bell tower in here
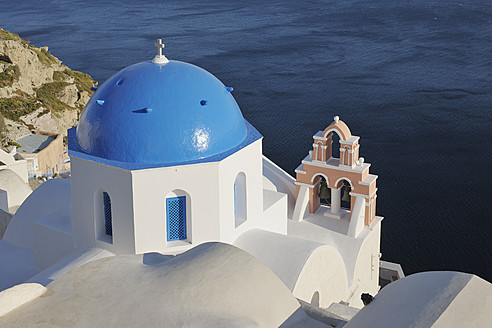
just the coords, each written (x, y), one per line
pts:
(324, 177)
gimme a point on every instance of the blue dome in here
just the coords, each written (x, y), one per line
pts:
(160, 114)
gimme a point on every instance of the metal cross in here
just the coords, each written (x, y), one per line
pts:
(159, 46)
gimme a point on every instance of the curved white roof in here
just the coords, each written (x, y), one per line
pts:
(429, 299)
(304, 266)
(212, 285)
(17, 189)
(53, 196)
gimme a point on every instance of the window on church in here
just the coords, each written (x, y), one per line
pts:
(240, 199)
(176, 218)
(108, 218)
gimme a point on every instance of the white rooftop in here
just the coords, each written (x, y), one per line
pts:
(429, 299)
(212, 285)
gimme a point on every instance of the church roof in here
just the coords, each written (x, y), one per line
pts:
(439, 299)
(166, 114)
(211, 285)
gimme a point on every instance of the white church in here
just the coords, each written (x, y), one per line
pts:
(172, 209)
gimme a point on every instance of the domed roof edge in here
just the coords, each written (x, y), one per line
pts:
(75, 150)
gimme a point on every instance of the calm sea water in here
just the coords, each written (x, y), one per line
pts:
(412, 79)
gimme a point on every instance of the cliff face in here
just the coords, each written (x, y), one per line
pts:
(37, 92)
(22, 66)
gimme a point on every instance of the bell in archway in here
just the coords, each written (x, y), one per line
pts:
(346, 195)
(324, 191)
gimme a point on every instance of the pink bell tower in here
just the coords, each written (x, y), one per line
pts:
(349, 170)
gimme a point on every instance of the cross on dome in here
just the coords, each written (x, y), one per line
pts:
(160, 58)
(159, 46)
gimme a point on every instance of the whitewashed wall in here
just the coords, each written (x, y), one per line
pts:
(151, 188)
(89, 180)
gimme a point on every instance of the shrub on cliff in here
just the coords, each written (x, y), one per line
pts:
(2, 124)
(5, 35)
(9, 76)
(13, 108)
(48, 95)
(83, 81)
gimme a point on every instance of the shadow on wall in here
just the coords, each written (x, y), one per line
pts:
(5, 218)
(155, 258)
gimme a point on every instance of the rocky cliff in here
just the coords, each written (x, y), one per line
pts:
(37, 92)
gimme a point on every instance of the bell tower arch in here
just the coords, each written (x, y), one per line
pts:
(349, 172)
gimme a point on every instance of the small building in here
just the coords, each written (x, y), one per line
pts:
(15, 162)
(44, 152)
(14, 187)
(13, 191)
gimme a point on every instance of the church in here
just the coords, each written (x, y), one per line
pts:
(168, 178)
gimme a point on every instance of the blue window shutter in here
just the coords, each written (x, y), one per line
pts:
(176, 218)
(108, 219)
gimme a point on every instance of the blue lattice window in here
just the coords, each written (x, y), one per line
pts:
(108, 218)
(176, 218)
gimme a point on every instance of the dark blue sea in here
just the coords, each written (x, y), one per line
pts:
(413, 79)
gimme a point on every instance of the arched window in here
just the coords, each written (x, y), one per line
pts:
(240, 200)
(108, 218)
(315, 299)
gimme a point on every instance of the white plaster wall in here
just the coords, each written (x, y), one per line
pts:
(152, 187)
(49, 198)
(89, 178)
(249, 161)
(138, 201)
(366, 274)
(17, 189)
(268, 185)
(324, 272)
(274, 212)
(53, 238)
(304, 266)
(19, 166)
(282, 181)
